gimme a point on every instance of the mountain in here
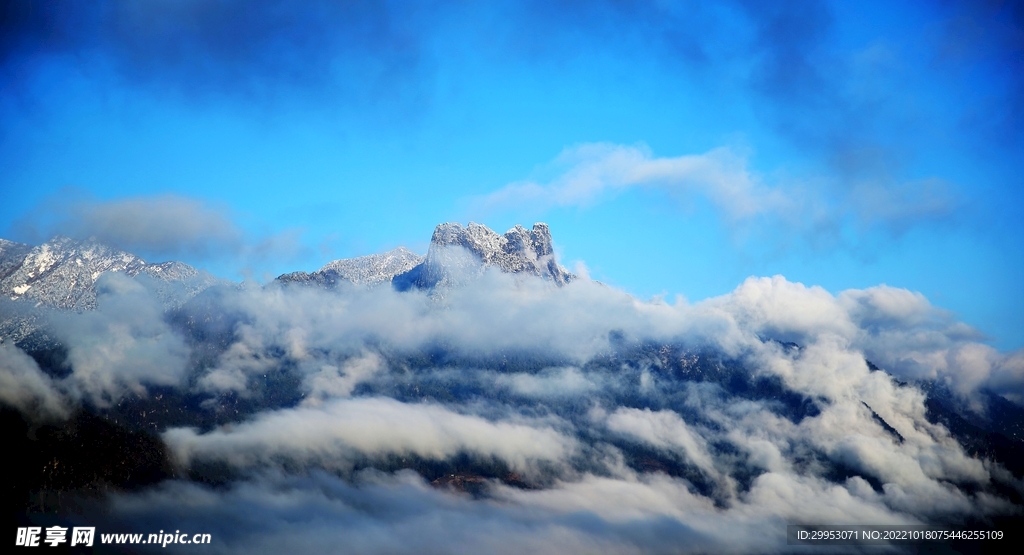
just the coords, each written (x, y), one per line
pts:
(454, 250)
(375, 268)
(62, 274)
(518, 251)
(293, 380)
(12, 255)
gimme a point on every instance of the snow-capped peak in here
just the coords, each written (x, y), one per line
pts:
(518, 250)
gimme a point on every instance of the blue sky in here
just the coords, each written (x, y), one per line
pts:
(675, 148)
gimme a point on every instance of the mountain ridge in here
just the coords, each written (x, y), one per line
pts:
(62, 272)
(362, 270)
(517, 251)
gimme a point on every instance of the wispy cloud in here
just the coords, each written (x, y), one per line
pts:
(26, 388)
(593, 173)
(161, 227)
(164, 225)
(596, 171)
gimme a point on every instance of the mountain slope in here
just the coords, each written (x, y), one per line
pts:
(375, 268)
(62, 272)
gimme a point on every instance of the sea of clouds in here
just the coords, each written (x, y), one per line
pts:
(565, 407)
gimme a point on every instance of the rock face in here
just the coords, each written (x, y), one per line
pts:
(12, 255)
(62, 273)
(376, 268)
(457, 251)
(517, 251)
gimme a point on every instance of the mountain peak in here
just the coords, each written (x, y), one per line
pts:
(486, 243)
(517, 251)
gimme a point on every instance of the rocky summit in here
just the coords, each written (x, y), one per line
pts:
(517, 251)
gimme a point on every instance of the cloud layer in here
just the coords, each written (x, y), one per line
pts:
(507, 413)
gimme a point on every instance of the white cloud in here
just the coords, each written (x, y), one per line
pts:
(329, 435)
(815, 206)
(550, 382)
(568, 419)
(122, 346)
(25, 387)
(594, 170)
(330, 380)
(663, 429)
